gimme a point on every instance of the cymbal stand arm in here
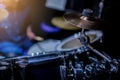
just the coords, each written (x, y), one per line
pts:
(12, 69)
(83, 31)
(98, 53)
(101, 6)
(84, 39)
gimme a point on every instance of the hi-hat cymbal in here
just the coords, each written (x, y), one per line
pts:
(3, 14)
(61, 23)
(80, 21)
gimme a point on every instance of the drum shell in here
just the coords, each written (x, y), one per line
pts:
(46, 71)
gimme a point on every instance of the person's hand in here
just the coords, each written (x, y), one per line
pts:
(32, 35)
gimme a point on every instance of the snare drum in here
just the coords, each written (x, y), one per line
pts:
(73, 42)
(43, 46)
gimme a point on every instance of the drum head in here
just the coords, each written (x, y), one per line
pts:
(73, 42)
(43, 46)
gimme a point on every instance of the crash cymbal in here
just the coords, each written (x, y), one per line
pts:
(61, 23)
(83, 20)
(3, 14)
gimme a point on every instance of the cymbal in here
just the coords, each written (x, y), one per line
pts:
(81, 21)
(72, 42)
(61, 23)
(3, 14)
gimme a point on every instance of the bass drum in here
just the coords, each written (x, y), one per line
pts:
(43, 46)
(72, 42)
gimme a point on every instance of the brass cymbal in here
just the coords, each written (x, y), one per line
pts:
(81, 21)
(3, 14)
(61, 23)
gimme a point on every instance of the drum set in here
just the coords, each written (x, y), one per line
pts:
(74, 56)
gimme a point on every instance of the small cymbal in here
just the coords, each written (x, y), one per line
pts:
(81, 21)
(3, 14)
(61, 23)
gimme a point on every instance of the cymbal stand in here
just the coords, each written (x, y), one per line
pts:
(101, 6)
(84, 39)
(12, 69)
(16, 66)
(12, 65)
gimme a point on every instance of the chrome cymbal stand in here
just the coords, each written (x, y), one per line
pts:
(16, 66)
(84, 39)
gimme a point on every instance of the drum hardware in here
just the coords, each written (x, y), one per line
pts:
(76, 69)
(14, 66)
(43, 55)
(86, 20)
(9, 66)
(41, 58)
(23, 61)
(3, 65)
(101, 5)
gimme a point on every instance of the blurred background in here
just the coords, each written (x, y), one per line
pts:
(52, 31)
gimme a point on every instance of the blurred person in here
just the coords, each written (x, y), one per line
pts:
(16, 35)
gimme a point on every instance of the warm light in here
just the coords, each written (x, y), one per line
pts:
(9, 2)
(3, 14)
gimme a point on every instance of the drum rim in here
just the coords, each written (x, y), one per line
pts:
(98, 33)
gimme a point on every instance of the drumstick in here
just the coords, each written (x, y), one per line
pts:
(38, 38)
(31, 35)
